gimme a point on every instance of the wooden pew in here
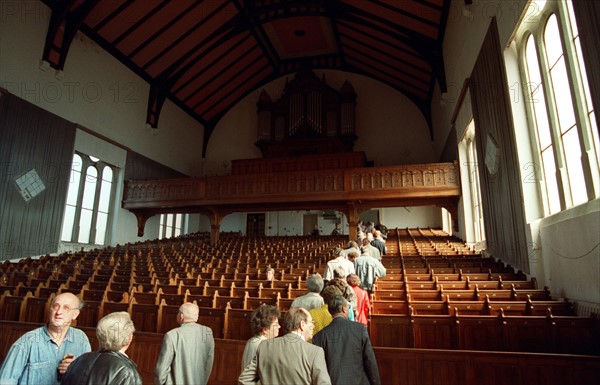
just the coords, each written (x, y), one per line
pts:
(434, 331)
(221, 302)
(167, 317)
(477, 332)
(238, 324)
(575, 335)
(556, 308)
(390, 295)
(10, 307)
(144, 316)
(391, 330)
(214, 319)
(34, 309)
(389, 307)
(527, 333)
(429, 308)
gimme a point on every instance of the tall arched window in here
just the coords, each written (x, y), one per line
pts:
(559, 107)
(89, 200)
(475, 214)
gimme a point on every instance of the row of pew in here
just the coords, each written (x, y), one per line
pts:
(439, 280)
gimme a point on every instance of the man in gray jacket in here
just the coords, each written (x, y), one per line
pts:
(187, 352)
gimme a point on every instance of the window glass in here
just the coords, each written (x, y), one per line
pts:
(74, 180)
(89, 190)
(161, 226)
(68, 221)
(101, 221)
(87, 212)
(551, 182)
(85, 226)
(105, 190)
(576, 179)
(564, 125)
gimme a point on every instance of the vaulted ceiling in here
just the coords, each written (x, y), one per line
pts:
(207, 55)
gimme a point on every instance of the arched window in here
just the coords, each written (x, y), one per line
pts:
(89, 200)
(559, 107)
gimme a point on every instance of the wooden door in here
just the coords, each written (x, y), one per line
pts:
(255, 225)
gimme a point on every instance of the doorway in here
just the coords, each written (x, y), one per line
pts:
(309, 222)
(255, 225)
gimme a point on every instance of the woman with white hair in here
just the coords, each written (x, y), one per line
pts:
(109, 365)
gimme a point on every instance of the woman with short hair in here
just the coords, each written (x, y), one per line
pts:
(109, 365)
(264, 323)
(363, 304)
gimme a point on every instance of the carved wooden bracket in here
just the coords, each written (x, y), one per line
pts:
(142, 217)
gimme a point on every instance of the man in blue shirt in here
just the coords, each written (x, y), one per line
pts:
(42, 356)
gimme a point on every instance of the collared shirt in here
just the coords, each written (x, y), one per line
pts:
(367, 268)
(308, 301)
(335, 263)
(298, 334)
(33, 359)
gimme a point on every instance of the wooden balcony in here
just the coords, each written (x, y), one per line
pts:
(346, 190)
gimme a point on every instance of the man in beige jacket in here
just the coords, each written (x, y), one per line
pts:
(289, 359)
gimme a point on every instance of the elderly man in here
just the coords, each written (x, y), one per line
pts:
(379, 243)
(373, 251)
(289, 359)
(42, 355)
(348, 352)
(110, 364)
(367, 269)
(312, 299)
(352, 247)
(187, 352)
(339, 261)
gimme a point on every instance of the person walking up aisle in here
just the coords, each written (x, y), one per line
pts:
(187, 352)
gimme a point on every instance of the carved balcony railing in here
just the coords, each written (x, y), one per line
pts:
(383, 184)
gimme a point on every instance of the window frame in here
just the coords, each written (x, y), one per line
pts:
(588, 150)
(99, 165)
(178, 223)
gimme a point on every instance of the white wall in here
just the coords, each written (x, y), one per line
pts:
(565, 252)
(414, 216)
(96, 91)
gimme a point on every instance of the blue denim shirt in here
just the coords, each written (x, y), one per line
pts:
(33, 359)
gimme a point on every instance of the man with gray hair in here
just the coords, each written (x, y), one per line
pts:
(289, 359)
(110, 364)
(187, 352)
(373, 251)
(312, 299)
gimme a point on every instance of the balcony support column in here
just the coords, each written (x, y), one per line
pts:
(215, 225)
(352, 215)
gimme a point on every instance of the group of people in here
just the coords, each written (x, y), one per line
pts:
(340, 353)
(325, 339)
(321, 343)
(57, 353)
